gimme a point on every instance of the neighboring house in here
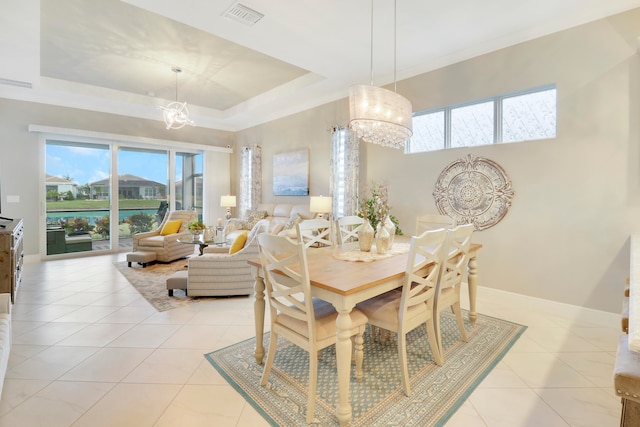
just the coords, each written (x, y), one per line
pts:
(129, 187)
(61, 185)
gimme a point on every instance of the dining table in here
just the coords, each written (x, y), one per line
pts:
(344, 283)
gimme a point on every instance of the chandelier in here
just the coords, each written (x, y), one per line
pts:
(378, 115)
(176, 114)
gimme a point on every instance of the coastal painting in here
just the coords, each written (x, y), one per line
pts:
(291, 173)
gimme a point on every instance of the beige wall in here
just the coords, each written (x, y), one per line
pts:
(565, 238)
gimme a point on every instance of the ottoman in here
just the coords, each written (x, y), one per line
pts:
(177, 280)
(143, 258)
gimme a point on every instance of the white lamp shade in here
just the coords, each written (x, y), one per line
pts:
(320, 204)
(380, 116)
(228, 201)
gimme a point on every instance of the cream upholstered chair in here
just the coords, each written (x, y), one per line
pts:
(433, 222)
(453, 273)
(315, 231)
(404, 310)
(167, 248)
(305, 321)
(347, 228)
(224, 274)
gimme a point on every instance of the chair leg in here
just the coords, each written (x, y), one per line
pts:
(402, 360)
(458, 312)
(273, 343)
(436, 327)
(438, 356)
(313, 380)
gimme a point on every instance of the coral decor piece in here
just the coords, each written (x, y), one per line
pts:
(474, 191)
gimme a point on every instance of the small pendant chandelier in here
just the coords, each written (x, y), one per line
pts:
(176, 114)
(380, 116)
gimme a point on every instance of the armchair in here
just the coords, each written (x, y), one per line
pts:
(167, 248)
(224, 274)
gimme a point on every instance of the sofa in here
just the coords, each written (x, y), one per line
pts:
(5, 335)
(166, 247)
(224, 274)
(278, 215)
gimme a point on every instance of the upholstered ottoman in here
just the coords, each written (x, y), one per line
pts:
(141, 257)
(177, 280)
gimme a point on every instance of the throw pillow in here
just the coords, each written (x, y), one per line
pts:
(238, 243)
(171, 227)
(254, 216)
(292, 222)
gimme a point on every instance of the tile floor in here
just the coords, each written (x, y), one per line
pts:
(88, 350)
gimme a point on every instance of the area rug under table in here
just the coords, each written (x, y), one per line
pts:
(151, 282)
(379, 400)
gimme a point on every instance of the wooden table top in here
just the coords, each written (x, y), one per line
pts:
(348, 277)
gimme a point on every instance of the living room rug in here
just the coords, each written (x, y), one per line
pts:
(151, 282)
(378, 400)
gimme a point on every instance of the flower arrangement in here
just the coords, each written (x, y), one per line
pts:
(196, 226)
(376, 207)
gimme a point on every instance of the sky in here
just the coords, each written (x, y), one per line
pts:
(84, 165)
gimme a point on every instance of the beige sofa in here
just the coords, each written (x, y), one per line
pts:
(275, 214)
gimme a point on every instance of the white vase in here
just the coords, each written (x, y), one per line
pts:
(391, 228)
(382, 240)
(365, 236)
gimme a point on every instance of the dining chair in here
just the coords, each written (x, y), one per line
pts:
(433, 222)
(453, 272)
(315, 231)
(347, 228)
(402, 311)
(307, 322)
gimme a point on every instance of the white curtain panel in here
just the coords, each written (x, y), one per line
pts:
(250, 179)
(345, 171)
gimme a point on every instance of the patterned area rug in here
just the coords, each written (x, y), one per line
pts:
(379, 400)
(151, 282)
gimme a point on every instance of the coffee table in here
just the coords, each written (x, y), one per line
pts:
(201, 243)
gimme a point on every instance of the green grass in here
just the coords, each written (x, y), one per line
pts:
(71, 205)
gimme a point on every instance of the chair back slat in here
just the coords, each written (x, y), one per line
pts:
(455, 267)
(423, 269)
(316, 231)
(286, 275)
(433, 222)
(347, 228)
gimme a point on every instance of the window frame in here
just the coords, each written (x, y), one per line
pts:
(497, 116)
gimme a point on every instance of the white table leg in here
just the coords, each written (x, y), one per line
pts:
(343, 356)
(473, 286)
(258, 312)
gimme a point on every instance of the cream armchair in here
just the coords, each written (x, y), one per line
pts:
(167, 248)
(224, 274)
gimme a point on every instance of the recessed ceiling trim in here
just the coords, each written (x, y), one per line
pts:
(16, 83)
(243, 14)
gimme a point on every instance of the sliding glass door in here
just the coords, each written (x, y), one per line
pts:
(142, 191)
(82, 214)
(77, 201)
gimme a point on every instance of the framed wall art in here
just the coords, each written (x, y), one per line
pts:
(291, 173)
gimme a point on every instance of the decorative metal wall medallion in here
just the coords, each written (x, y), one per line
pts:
(474, 191)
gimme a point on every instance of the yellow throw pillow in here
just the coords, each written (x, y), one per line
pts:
(238, 243)
(171, 227)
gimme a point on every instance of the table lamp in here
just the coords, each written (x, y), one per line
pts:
(320, 205)
(228, 202)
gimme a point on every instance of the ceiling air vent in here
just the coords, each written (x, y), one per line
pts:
(15, 83)
(241, 13)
